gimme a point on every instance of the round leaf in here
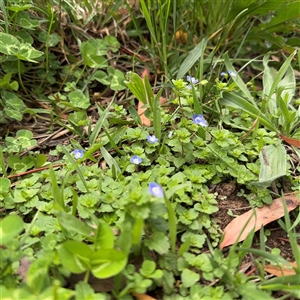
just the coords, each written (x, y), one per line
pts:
(10, 227)
(189, 278)
(78, 99)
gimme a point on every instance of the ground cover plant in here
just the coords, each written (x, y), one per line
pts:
(149, 150)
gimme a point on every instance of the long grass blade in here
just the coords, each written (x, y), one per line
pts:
(236, 101)
(237, 79)
(191, 59)
(100, 122)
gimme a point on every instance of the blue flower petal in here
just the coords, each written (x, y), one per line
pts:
(136, 160)
(232, 73)
(78, 153)
(156, 190)
(152, 139)
(199, 120)
(192, 80)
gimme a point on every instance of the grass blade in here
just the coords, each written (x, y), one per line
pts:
(236, 101)
(100, 122)
(237, 79)
(190, 60)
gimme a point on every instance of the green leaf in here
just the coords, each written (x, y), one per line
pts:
(124, 241)
(55, 291)
(148, 267)
(71, 223)
(14, 107)
(102, 77)
(190, 60)
(288, 280)
(20, 164)
(273, 81)
(109, 159)
(136, 86)
(75, 256)
(273, 164)
(147, 17)
(103, 116)
(28, 53)
(189, 278)
(137, 231)
(4, 186)
(79, 100)
(177, 188)
(18, 8)
(9, 44)
(39, 160)
(237, 79)
(157, 115)
(104, 237)
(25, 36)
(287, 11)
(24, 135)
(112, 43)
(37, 277)
(54, 38)
(93, 51)
(108, 262)
(23, 19)
(116, 78)
(14, 114)
(10, 227)
(59, 203)
(158, 242)
(281, 73)
(85, 292)
(6, 84)
(234, 100)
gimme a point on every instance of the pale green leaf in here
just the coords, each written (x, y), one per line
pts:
(273, 162)
(10, 227)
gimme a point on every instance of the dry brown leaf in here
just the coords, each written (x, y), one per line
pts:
(142, 296)
(141, 112)
(264, 215)
(291, 141)
(285, 270)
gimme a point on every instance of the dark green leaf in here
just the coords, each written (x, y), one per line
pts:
(71, 223)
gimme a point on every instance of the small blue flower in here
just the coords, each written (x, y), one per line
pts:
(199, 120)
(192, 80)
(78, 153)
(189, 87)
(231, 73)
(135, 160)
(156, 190)
(223, 74)
(152, 139)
